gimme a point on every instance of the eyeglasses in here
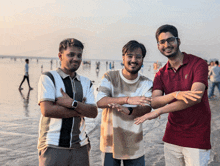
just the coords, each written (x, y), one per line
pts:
(169, 40)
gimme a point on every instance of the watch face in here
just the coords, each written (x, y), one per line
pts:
(130, 108)
(74, 104)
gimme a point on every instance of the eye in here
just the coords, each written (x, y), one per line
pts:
(171, 39)
(139, 57)
(162, 41)
(129, 56)
(79, 56)
(71, 55)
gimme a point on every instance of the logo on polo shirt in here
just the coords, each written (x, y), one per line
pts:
(186, 76)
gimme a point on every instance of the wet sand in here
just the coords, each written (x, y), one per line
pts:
(18, 140)
(19, 122)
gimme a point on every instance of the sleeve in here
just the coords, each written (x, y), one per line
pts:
(201, 72)
(158, 84)
(147, 89)
(90, 98)
(46, 89)
(105, 88)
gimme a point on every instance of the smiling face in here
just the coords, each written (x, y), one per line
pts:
(70, 59)
(168, 49)
(133, 61)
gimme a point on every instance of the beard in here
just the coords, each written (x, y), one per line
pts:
(133, 71)
(74, 68)
(174, 54)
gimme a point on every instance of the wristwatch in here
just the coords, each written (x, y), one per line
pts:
(74, 104)
(131, 110)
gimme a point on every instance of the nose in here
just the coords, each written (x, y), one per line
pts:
(133, 59)
(75, 58)
(166, 44)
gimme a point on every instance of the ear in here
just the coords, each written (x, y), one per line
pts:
(178, 40)
(158, 45)
(123, 58)
(60, 56)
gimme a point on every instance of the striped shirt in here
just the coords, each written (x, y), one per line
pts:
(63, 132)
(119, 134)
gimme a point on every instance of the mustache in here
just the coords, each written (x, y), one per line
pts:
(132, 63)
(73, 61)
(169, 47)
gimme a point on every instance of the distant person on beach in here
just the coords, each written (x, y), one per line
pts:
(184, 81)
(214, 75)
(211, 64)
(122, 96)
(65, 98)
(26, 75)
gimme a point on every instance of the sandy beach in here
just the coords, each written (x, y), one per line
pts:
(18, 141)
(20, 118)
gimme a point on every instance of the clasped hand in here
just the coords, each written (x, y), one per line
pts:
(139, 100)
(184, 95)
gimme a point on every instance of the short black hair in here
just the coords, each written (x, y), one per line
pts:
(26, 60)
(132, 45)
(166, 28)
(70, 42)
(216, 62)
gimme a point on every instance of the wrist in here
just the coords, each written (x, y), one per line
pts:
(74, 104)
(173, 94)
(159, 112)
(126, 100)
(177, 94)
(130, 109)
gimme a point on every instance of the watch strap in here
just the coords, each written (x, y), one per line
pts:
(131, 110)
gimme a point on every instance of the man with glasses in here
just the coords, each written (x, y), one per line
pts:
(184, 81)
(123, 96)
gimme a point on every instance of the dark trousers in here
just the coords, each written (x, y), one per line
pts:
(110, 161)
(25, 77)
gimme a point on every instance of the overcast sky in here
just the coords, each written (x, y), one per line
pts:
(35, 28)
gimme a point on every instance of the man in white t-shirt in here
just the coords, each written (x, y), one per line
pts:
(214, 74)
(26, 75)
(123, 95)
(65, 98)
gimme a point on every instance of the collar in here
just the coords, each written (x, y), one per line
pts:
(64, 75)
(129, 81)
(185, 61)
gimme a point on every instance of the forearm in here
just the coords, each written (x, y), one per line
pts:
(103, 103)
(160, 101)
(57, 111)
(87, 110)
(175, 106)
(141, 110)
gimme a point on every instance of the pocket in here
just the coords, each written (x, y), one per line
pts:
(88, 147)
(42, 151)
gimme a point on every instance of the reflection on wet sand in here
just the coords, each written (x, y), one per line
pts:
(25, 102)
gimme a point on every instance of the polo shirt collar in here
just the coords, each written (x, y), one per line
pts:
(64, 75)
(185, 61)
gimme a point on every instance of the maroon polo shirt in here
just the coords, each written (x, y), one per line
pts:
(189, 127)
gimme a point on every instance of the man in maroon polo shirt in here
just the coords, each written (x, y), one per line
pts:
(184, 81)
